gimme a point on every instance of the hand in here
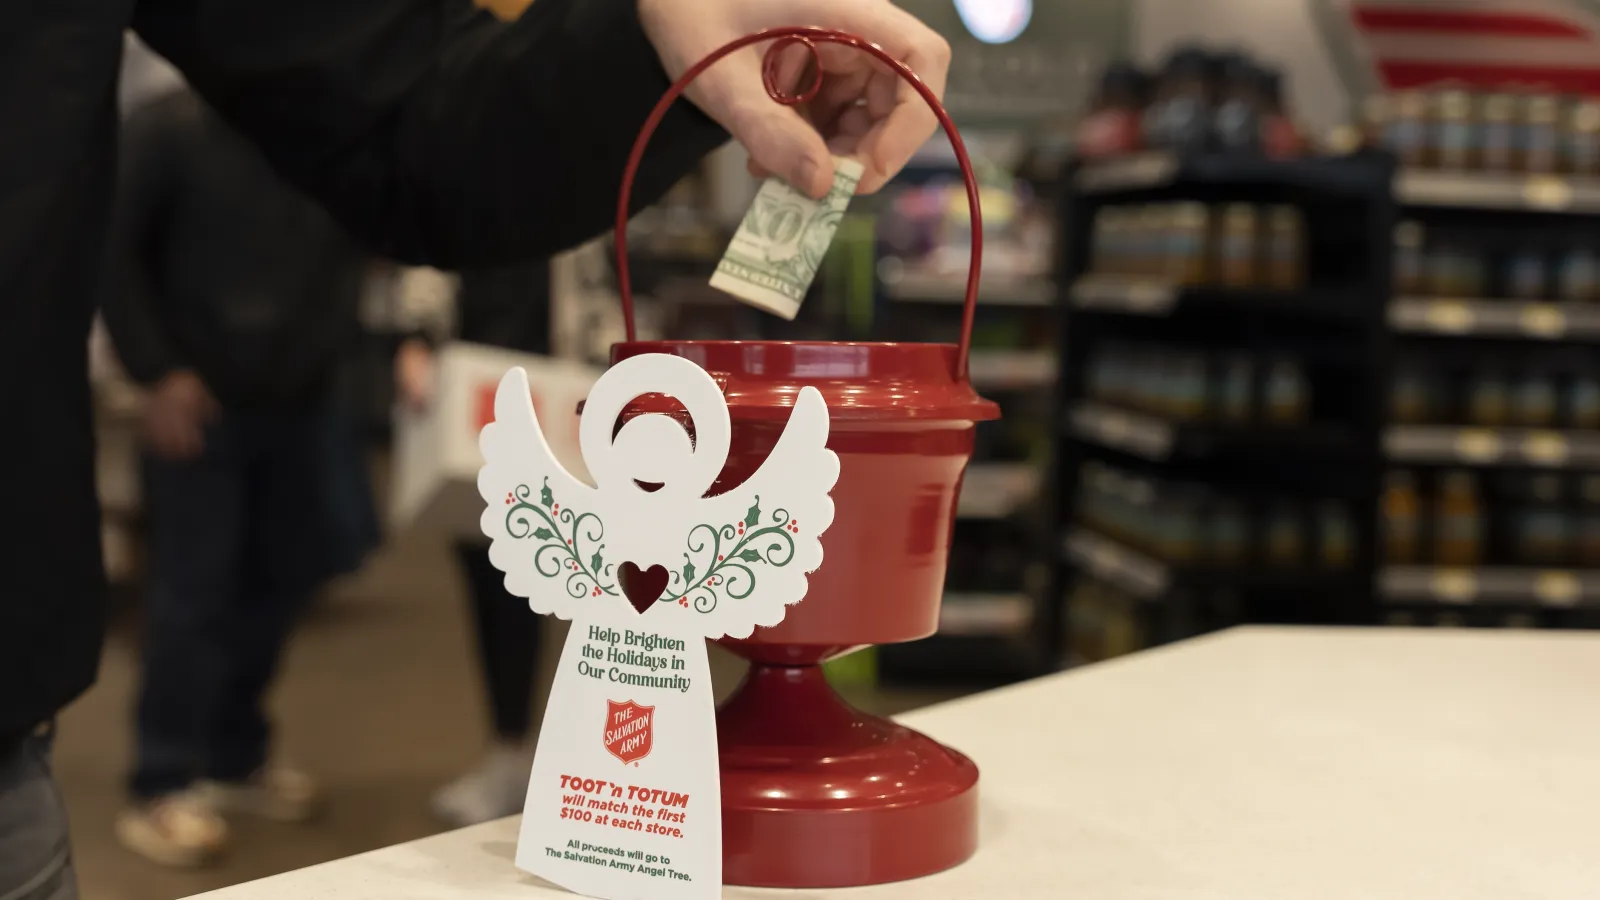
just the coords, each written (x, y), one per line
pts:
(863, 110)
(413, 374)
(176, 414)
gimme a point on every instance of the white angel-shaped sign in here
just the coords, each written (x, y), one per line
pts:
(624, 801)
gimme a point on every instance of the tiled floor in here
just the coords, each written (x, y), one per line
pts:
(378, 698)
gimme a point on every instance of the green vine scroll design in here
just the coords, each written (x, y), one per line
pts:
(561, 551)
(727, 573)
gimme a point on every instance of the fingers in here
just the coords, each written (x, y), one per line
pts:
(903, 121)
(779, 139)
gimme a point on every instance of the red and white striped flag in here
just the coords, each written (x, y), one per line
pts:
(1549, 44)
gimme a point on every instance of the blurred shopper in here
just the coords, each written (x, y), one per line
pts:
(232, 297)
(432, 132)
(508, 308)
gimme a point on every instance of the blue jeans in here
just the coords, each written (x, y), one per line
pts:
(35, 859)
(237, 543)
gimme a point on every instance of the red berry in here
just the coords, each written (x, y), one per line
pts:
(569, 540)
(719, 557)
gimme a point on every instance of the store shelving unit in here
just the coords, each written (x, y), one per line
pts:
(1502, 329)
(1337, 323)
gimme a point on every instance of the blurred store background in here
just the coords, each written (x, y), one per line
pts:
(1289, 305)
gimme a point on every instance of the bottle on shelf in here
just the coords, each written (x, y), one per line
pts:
(1579, 278)
(1112, 126)
(1543, 535)
(1499, 143)
(1409, 271)
(1188, 230)
(1285, 248)
(1229, 533)
(1455, 130)
(1408, 128)
(1540, 134)
(1583, 400)
(1285, 536)
(1335, 536)
(1534, 405)
(1238, 245)
(1287, 394)
(1236, 390)
(1458, 521)
(1583, 138)
(1488, 399)
(1179, 115)
(1241, 106)
(1411, 397)
(1527, 273)
(1588, 525)
(1402, 518)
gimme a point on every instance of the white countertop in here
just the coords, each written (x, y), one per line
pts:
(1256, 764)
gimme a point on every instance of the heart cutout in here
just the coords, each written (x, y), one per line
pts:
(642, 587)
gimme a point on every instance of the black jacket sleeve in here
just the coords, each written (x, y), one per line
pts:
(148, 180)
(434, 132)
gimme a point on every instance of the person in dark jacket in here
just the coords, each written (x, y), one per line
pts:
(506, 307)
(231, 296)
(433, 133)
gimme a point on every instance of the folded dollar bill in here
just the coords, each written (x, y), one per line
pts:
(780, 244)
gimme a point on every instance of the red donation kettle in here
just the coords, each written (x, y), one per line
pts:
(814, 792)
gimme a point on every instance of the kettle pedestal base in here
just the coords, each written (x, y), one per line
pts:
(817, 794)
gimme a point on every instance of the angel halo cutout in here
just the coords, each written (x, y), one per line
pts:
(731, 562)
(624, 799)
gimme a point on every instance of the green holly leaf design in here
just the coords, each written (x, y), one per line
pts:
(752, 517)
(545, 497)
(688, 571)
(750, 556)
(595, 562)
(544, 534)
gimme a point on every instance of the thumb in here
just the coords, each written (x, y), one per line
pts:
(782, 142)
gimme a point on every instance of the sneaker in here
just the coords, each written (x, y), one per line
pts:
(180, 830)
(493, 790)
(276, 793)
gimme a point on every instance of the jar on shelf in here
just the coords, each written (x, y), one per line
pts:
(1188, 232)
(1287, 395)
(1179, 115)
(1188, 374)
(1336, 538)
(1583, 138)
(1409, 259)
(1401, 518)
(1587, 538)
(1455, 130)
(1377, 114)
(1488, 399)
(1408, 128)
(1229, 533)
(1285, 248)
(1583, 400)
(1539, 134)
(1458, 521)
(1534, 404)
(1543, 527)
(1241, 106)
(1499, 128)
(1527, 275)
(1238, 245)
(1284, 536)
(1411, 396)
(1579, 277)
(1236, 390)
(1111, 127)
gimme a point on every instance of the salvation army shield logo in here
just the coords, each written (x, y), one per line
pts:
(629, 730)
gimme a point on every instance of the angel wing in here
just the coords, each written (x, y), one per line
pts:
(540, 519)
(747, 552)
